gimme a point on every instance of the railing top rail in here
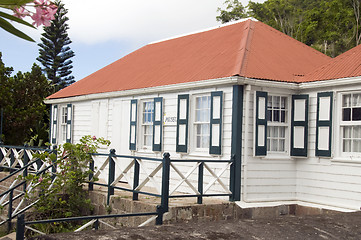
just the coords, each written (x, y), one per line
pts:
(128, 156)
(28, 148)
(202, 161)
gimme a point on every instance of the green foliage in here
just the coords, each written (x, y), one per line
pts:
(66, 197)
(330, 26)
(21, 97)
(54, 52)
(4, 17)
(234, 11)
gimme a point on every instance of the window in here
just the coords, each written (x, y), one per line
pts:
(202, 122)
(351, 123)
(147, 124)
(277, 123)
(63, 123)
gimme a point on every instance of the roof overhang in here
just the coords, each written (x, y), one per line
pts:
(234, 80)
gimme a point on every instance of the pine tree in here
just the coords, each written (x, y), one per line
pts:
(54, 52)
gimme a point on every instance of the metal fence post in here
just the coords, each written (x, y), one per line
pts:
(53, 168)
(111, 175)
(136, 178)
(96, 225)
(165, 182)
(12, 160)
(25, 172)
(1, 125)
(159, 219)
(200, 183)
(20, 227)
(233, 174)
(10, 211)
(1, 158)
(91, 174)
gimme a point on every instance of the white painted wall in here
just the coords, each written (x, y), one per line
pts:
(331, 181)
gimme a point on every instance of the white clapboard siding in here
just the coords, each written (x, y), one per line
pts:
(81, 120)
(267, 179)
(323, 180)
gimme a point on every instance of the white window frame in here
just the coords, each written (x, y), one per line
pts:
(144, 125)
(286, 125)
(194, 123)
(341, 124)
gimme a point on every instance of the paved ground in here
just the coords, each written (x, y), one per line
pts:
(334, 226)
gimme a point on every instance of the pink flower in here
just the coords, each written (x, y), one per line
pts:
(44, 14)
(21, 12)
(40, 179)
(94, 138)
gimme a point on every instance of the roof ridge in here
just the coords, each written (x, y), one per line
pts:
(205, 30)
(241, 61)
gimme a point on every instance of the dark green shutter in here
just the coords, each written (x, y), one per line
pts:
(55, 124)
(182, 123)
(157, 124)
(324, 124)
(133, 124)
(299, 125)
(261, 124)
(68, 122)
(215, 138)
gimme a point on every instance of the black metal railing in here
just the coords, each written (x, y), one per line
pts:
(166, 164)
(21, 223)
(15, 169)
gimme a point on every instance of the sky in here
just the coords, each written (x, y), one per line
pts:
(105, 31)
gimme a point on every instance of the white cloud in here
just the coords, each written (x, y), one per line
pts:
(94, 21)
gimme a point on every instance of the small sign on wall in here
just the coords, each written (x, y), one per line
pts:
(170, 119)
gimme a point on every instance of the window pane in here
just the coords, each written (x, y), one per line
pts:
(199, 129)
(206, 115)
(282, 145)
(346, 145)
(283, 116)
(268, 144)
(346, 100)
(276, 102)
(269, 102)
(198, 115)
(347, 132)
(346, 114)
(356, 100)
(275, 132)
(274, 145)
(283, 102)
(282, 132)
(276, 115)
(198, 103)
(198, 141)
(356, 114)
(356, 146)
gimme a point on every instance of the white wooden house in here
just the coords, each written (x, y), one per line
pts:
(289, 115)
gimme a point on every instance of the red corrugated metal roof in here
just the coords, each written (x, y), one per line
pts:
(250, 49)
(345, 65)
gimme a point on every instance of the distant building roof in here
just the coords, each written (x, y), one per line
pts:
(248, 48)
(345, 65)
